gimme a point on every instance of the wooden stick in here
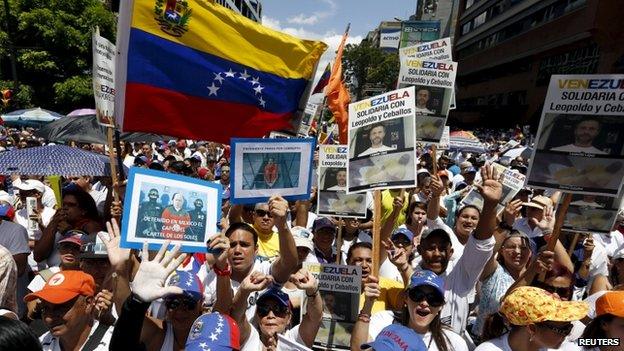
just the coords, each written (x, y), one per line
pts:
(573, 243)
(561, 213)
(113, 165)
(339, 241)
(434, 161)
(376, 232)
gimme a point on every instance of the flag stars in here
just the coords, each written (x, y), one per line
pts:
(218, 77)
(255, 80)
(244, 75)
(229, 73)
(258, 89)
(213, 89)
(219, 330)
(262, 102)
(213, 337)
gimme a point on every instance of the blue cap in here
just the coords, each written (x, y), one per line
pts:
(425, 277)
(396, 337)
(213, 331)
(323, 222)
(403, 231)
(274, 292)
(188, 282)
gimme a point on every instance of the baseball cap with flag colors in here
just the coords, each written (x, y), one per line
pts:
(64, 286)
(529, 305)
(215, 332)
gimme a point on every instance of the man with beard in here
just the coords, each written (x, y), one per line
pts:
(341, 181)
(422, 99)
(197, 216)
(148, 211)
(584, 134)
(376, 135)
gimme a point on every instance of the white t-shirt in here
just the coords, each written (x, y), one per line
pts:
(14, 238)
(372, 150)
(100, 199)
(502, 344)
(611, 242)
(209, 279)
(574, 148)
(52, 343)
(253, 343)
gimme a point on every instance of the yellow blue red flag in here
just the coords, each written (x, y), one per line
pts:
(195, 69)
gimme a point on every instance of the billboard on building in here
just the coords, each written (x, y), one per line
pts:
(416, 32)
(389, 38)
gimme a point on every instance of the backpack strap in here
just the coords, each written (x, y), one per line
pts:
(94, 340)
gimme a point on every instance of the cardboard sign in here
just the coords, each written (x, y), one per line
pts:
(381, 142)
(262, 168)
(580, 140)
(164, 206)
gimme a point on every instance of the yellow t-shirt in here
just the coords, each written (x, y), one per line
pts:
(387, 198)
(268, 246)
(390, 297)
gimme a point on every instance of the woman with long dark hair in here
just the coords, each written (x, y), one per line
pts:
(421, 313)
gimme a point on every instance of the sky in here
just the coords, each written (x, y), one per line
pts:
(326, 20)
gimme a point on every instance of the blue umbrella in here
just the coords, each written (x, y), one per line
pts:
(31, 117)
(54, 160)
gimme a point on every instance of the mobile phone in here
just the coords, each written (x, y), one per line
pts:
(215, 252)
(31, 205)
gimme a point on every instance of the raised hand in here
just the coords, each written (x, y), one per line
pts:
(396, 255)
(491, 189)
(544, 262)
(278, 208)
(117, 256)
(588, 247)
(149, 281)
(397, 204)
(255, 281)
(512, 211)
(437, 188)
(547, 224)
(218, 251)
(372, 291)
(304, 280)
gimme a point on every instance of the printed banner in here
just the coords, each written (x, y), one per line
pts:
(580, 140)
(513, 182)
(308, 118)
(332, 197)
(439, 50)
(266, 167)
(416, 32)
(390, 38)
(434, 83)
(445, 141)
(591, 213)
(104, 53)
(381, 142)
(164, 206)
(340, 288)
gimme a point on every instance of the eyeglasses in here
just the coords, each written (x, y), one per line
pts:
(278, 310)
(565, 293)
(401, 241)
(432, 298)
(262, 213)
(175, 303)
(563, 330)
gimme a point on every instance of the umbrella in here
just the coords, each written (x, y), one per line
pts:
(81, 112)
(523, 151)
(53, 160)
(85, 129)
(31, 117)
(465, 141)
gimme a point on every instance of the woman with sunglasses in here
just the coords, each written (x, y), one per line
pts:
(608, 323)
(421, 313)
(537, 320)
(274, 312)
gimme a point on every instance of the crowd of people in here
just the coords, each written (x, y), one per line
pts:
(449, 277)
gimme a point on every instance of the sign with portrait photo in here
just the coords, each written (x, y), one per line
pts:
(580, 140)
(512, 180)
(591, 213)
(333, 199)
(262, 168)
(434, 83)
(381, 142)
(164, 206)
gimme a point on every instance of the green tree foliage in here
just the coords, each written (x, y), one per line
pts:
(367, 65)
(53, 45)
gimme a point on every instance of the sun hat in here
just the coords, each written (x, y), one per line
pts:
(529, 305)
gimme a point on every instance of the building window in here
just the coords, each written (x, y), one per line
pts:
(479, 20)
(466, 28)
(469, 3)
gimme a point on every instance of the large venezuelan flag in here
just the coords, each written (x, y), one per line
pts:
(194, 69)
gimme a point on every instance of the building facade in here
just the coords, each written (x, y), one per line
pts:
(251, 9)
(508, 49)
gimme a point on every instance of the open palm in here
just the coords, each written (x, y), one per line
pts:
(117, 256)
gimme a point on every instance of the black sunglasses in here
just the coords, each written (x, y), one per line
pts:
(278, 310)
(177, 302)
(564, 330)
(433, 299)
(262, 213)
(564, 293)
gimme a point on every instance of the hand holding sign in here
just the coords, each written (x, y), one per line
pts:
(437, 188)
(218, 253)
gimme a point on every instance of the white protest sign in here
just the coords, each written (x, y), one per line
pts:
(512, 180)
(580, 140)
(104, 54)
(440, 50)
(381, 142)
(332, 197)
(445, 141)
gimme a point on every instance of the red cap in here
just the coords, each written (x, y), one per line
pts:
(64, 286)
(74, 239)
(202, 172)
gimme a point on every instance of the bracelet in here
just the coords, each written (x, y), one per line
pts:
(227, 271)
(315, 293)
(364, 317)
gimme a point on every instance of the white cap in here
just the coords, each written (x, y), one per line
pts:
(4, 196)
(31, 184)
(302, 237)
